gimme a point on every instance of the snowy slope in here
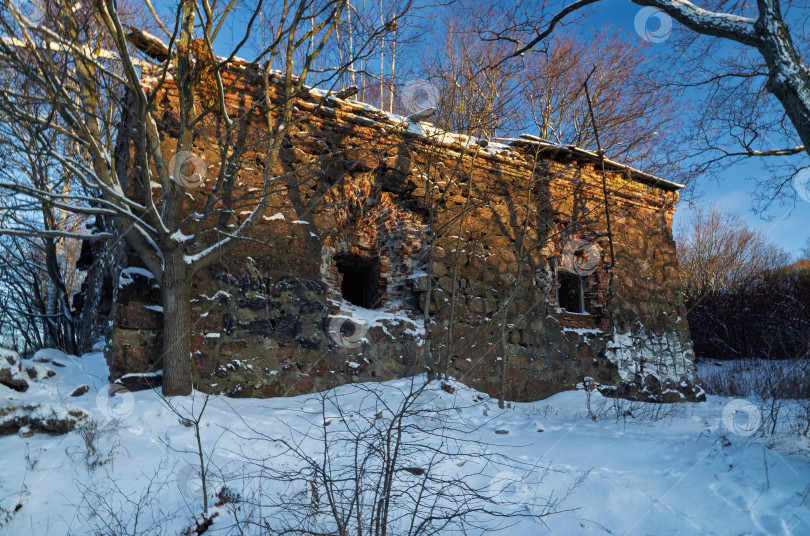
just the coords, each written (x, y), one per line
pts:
(685, 470)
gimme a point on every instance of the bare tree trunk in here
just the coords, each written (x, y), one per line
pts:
(176, 329)
(51, 336)
(57, 295)
(788, 78)
(393, 69)
(425, 348)
(521, 257)
(70, 332)
(340, 56)
(351, 46)
(382, 57)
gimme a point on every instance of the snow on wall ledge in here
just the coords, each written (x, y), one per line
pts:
(659, 366)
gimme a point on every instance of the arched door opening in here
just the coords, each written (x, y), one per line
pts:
(361, 279)
(571, 294)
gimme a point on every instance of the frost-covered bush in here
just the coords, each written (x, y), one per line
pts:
(401, 464)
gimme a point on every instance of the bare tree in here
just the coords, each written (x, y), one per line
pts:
(743, 298)
(473, 96)
(396, 465)
(48, 229)
(35, 311)
(22, 302)
(99, 101)
(787, 77)
(377, 41)
(717, 252)
(482, 90)
(745, 60)
(638, 123)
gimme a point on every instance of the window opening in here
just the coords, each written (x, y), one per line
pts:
(571, 292)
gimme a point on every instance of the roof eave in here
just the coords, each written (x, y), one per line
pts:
(640, 176)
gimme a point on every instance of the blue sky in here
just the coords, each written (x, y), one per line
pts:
(787, 226)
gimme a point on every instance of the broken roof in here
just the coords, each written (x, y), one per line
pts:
(155, 48)
(583, 154)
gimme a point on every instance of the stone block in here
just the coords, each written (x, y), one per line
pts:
(282, 355)
(137, 316)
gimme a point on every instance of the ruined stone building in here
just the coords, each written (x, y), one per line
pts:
(424, 249)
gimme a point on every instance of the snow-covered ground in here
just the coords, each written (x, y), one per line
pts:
(676, 469)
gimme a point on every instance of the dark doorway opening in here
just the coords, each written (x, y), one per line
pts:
(361, 278)
(571, 293)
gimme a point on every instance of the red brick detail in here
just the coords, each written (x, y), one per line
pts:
(370, 224)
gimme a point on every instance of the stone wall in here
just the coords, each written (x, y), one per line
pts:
(403, 218)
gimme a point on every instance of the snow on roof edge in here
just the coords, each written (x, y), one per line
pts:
(493, 147)
(647, 178)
